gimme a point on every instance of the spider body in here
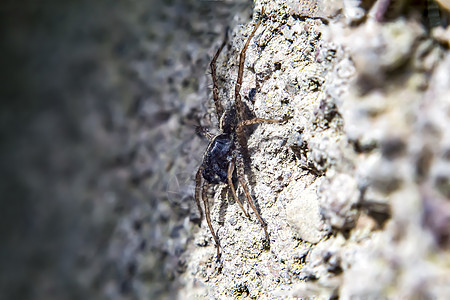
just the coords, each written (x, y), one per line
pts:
(217, 159)
(223, 161)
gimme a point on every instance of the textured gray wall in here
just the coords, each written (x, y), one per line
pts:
(82, 84)
(99, 103)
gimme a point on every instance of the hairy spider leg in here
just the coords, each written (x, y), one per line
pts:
(208, 217)
(219, 107)
(198, 187)
(237, 98)
(230, 184)
(241, 137)
(242, 124)
(240, 134)
(250, 201)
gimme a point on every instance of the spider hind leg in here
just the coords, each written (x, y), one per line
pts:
(201, 194)
(241, 179)
(208, 217)
(198, 187)
(231, 185)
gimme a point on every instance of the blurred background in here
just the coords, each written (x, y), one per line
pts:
(99, 100)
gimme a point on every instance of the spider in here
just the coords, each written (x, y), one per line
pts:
(227, 150)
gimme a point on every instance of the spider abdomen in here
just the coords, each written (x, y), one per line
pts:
(216, 159)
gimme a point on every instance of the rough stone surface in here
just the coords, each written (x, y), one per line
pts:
(357, 150)
(303, 213)
(101, 157)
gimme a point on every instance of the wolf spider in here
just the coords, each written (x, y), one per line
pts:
(228, 147)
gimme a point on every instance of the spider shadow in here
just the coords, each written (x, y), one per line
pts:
(228, 199)
(245, 152)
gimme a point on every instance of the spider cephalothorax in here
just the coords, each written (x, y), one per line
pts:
(223, 160)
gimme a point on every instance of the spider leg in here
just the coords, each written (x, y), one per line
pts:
(242, 139)
(230, 184)
(242, 124)
(208, 217)
(198, 187)
(241, 179)
(238, 101)
(252, 205)
(219, 107)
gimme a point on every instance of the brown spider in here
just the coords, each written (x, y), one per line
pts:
(228, 147)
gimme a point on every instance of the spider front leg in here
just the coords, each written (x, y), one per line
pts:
(237, 88)
(219, 107)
